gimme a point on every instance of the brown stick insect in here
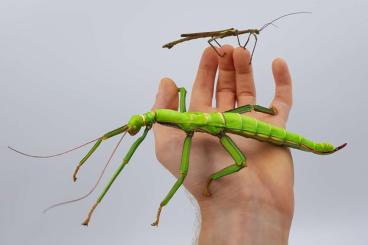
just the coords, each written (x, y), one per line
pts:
(214, 35)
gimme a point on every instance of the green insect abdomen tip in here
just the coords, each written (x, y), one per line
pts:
(327, 148)
(324, 147)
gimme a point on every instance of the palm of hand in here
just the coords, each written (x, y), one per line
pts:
(268, 178)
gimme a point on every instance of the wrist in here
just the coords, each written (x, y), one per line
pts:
(254, 222)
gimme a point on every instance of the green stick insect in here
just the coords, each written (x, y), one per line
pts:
(216, 123)
(214, 35)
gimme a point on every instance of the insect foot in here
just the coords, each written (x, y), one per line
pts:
(76, 172)
(206, 191)
(86, 221)
(157, 217)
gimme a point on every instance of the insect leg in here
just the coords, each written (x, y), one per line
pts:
(246, 43)
(210, 43)
(237, 37)
(247, 40)
(182, 96)
(271, 111)
(217, 42)
(126, 159)
(254, 47)
(236, 154)
(249, 108)
(96, 145)
(183, 173)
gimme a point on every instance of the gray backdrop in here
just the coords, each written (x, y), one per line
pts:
(71, 70)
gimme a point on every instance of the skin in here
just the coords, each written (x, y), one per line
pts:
(256, 204)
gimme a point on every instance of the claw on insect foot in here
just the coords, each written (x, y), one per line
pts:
(157, 217)
(75, 173)
(206, 191)
(86, 221)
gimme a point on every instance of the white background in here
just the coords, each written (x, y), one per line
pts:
(72, 70)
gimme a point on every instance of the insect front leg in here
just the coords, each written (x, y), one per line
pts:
(246, 43)
(126, 159)
(254, 47)
(239, 162)
(183, 173)
(95, 146)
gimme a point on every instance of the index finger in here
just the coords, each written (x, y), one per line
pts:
(202, 91)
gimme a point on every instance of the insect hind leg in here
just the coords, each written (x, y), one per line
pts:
(239, 162)
(254, 47)
(249, 108)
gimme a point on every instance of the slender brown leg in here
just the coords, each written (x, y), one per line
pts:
(247, 40)
(210, 43)
(254, 47)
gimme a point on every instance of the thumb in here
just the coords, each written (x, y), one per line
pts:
(166, 98)
(167, 95)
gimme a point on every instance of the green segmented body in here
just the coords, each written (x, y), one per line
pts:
(216, 123)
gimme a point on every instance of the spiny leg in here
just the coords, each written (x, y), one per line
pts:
(183, 173)
(126, 159)
(182, 95)
(96, 145)
(236, 154)
(214, 39)
(249, 108)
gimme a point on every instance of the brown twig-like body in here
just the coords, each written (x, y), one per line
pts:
(214, 35)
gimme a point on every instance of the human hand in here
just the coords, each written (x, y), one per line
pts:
(256, 203)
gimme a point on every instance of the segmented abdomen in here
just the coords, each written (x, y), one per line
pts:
(253, 128)
(236, 123)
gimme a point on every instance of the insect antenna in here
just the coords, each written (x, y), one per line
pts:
(54, 155)
(271, 22)
(96, 184)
